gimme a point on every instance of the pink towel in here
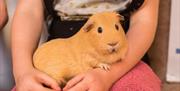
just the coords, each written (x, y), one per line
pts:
(140, 78)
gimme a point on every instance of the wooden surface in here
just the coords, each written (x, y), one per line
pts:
(159, 50)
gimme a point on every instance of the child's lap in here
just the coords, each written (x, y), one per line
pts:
(140, 78)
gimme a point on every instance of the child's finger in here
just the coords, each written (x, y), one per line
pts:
(81, 86)
(48, 81)
(47, 89)
(41, 88)
(73, 81)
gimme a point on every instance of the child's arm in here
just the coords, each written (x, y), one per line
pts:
(26, 30)
(3, 14)
(140, 36)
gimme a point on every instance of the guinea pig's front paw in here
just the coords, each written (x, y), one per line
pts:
(104, 66)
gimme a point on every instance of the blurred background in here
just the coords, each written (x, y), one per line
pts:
(164, 53)
(6, 78)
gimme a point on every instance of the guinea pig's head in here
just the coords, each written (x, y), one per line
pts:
(105, 33)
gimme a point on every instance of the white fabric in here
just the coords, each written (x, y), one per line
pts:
(80, 9)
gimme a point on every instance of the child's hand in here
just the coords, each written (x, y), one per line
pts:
(94, 80)
(34, 80)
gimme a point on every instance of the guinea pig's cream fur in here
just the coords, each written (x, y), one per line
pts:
(99, 43)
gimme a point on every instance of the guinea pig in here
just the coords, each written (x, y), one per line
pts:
(99, 43)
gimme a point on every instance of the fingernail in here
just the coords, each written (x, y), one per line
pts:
(65, 88)
(58, 88)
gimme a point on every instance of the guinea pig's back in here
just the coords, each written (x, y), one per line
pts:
(52, 54)
(49, 49)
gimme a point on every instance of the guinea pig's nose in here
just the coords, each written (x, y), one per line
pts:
(113, 44)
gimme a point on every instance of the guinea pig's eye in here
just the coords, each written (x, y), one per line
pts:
(100, 30)
(117, 27)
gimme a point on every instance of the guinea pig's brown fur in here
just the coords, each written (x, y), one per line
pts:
(99, 43)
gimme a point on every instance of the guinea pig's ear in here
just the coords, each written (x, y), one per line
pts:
(88, 26)
(121, 17)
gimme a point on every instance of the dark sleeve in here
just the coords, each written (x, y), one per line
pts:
(131, 8)
(49, 7)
